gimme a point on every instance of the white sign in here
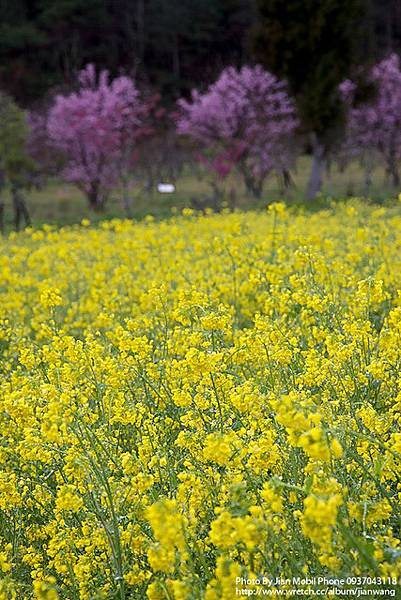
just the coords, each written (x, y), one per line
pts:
(166, 188)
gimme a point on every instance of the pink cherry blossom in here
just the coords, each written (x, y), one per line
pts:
(245, 120)
(96, 128)
(374, 127)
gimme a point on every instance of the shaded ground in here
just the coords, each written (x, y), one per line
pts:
(61, 203)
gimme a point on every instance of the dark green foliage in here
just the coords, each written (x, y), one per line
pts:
(45, 42)
(314, 44)
(174, 44)
(14, 160)
(16, 166)
(178, 44)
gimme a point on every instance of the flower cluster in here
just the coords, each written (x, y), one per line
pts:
(245, 120)
(188, 402)
(96, 129)
(373, 127)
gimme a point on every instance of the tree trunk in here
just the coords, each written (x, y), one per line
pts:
(317, 170)
(217, 197)
(1, 217)
(254, 186)
(232, 198)
(140, 25)
(393, 171)
(176, 59)
(20, 208)
(2, 188)
(96, 200)
(150, 182)
(367, 178)
(127, 200)
(286, 182)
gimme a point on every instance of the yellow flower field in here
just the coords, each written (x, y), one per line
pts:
(189, 406)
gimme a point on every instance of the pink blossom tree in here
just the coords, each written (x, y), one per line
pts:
(244, 121)
(374, 127)
(97, 129)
